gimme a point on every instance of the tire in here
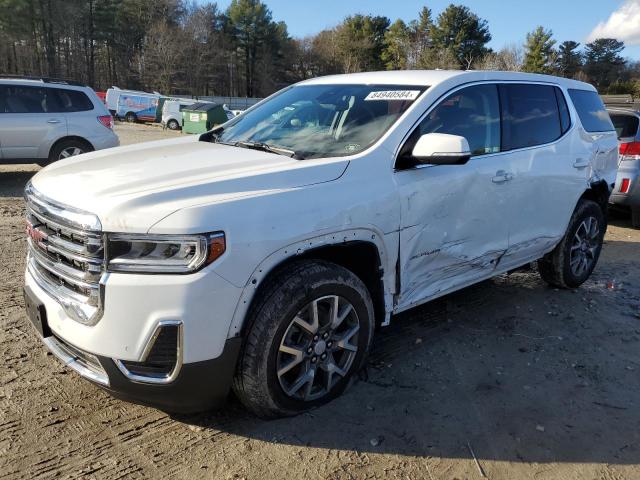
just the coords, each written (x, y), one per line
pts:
(291, 293)
(173, 124)
(131, 117)
(69, 148)
(635, 217)
(571, 263)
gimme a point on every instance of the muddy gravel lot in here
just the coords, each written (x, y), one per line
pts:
(509, 379)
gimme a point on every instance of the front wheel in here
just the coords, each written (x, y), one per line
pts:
(173, 124)
(131, 117)
(570, 264)
(309, 332)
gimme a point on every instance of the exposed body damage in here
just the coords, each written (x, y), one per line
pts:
(273, 245)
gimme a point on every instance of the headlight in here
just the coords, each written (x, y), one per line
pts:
(162, 253)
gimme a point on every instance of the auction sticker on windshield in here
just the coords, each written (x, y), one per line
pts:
(393, 95)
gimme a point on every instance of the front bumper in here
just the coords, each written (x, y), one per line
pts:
(134, 308)
(198, 386)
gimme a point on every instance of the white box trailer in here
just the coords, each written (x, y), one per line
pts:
(113, 94)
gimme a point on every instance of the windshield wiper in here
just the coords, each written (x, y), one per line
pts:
(265, 147)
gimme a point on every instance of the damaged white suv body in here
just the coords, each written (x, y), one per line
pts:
(261, 255)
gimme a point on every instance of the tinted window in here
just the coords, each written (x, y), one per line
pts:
(565, 118)
(625, 125)
(21, 99)
(27, 99)
(591, 111)
(531, 115)
(473, 113)
(68, 100)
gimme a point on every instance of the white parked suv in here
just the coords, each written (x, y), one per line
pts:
(44, 120)
(262, 254)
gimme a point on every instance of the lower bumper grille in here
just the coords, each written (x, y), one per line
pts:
(86, 364)
(162, 358)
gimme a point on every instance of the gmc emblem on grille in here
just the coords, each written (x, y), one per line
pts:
(37, 236)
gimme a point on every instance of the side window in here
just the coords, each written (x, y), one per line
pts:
(22, 99)
(473, 113)
(63, 100)
(591, 111)
(531, 115)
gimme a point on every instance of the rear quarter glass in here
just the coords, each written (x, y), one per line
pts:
(591, 110)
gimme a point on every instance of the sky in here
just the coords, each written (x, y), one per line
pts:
(509, 20)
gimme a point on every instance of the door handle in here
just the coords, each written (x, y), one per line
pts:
(581, 163)
(502, 177)
(53, 120)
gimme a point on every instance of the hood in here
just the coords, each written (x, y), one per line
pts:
(131, 188)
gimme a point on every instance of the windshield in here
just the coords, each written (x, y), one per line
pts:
(317, 121)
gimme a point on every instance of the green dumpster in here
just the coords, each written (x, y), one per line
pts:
(202, 117)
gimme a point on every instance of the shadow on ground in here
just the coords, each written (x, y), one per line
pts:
(511, 367)
(12, 182)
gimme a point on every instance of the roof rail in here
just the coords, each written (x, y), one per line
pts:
(60, 81)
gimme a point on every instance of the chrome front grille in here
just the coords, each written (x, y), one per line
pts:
(66, 255)
(82, 362)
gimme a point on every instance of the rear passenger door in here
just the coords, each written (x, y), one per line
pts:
(31, 122)
(546, 178)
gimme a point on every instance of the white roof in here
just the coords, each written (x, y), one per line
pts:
(433, 77)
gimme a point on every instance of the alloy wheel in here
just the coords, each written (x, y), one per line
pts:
(318, 348)
(584, 247)
(70, 152)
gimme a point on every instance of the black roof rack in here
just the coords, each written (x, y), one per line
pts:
(60, 81)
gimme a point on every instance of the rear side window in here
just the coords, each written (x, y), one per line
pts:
(625, 125)
(530, 115)
(69, 101)
(591, 111)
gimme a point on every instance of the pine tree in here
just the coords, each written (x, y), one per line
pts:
(539, 55)
(569, 59)
(462, 33)
(396, 46)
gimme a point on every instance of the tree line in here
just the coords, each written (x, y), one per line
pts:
(183, 48)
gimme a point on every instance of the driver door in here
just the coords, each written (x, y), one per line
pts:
(454, 228)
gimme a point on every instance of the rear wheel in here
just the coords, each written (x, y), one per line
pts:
(570, 264)
(131, 117)
(635, 217)
(309, 333)
(69, 148)
(173, 124)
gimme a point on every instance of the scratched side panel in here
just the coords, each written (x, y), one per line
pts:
(453, 231)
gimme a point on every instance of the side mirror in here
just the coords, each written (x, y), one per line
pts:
(441, 149)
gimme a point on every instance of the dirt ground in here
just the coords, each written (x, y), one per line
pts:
(532, 382)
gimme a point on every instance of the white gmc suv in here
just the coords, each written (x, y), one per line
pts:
(262, 254)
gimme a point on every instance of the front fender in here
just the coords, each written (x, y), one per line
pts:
(266, 266)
